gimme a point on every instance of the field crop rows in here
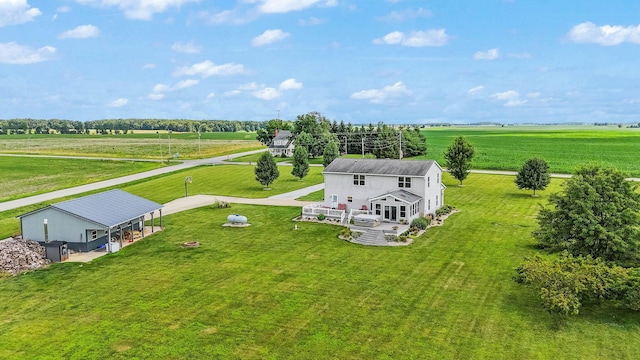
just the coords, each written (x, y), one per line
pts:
(267, 291)
(564, 149)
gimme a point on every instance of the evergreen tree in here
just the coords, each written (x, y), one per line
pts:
(300, 162)
(266, 170)
(458, 158)
(534, 175)
(330, 153)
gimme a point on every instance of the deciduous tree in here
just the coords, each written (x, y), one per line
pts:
(534, 175)
(597, 214)
(458, 158)
(266, 171)
(330, 153)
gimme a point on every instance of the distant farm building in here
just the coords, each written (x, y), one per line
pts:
(282, 144)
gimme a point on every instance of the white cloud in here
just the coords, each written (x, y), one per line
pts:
(80, 32)
(490, 54)
(139, 10)
(269, 37)
(119, 103)
(208, 68)
(149, 66)
(311, 21)
(506, 95)
(513, 103)
(13, 12)
(268, 93)
(434, 37)
(378, 96)
(160, 88)
(475, 90)
(64, 9)
(290, 84)
(409, 14)
(232, 93)
(154, 96)
(606, 35)
(183, 84)
(251, 86)
(234, 17)
(284, 6)
(534, 95)
(12, 53)
(187, 48)
(211, 95)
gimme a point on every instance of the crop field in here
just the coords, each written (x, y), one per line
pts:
(26, 176)
(563, 148)
(132, 146)
(268, 291)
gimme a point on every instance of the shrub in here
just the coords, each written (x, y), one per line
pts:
(220, 205)
(444, 210)
(321, 217)
(420, 223)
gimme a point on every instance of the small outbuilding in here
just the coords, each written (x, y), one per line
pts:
(89, 222)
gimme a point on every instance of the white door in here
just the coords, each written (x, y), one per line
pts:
(334, 201)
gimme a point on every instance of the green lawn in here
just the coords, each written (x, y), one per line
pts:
(314, 196)
(229, 180)
(26, 176)
(564, 148)
(254, 158)
(268, 291)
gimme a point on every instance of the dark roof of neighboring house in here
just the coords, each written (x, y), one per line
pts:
(380, 167)
(109, 208)
(282, 135)
(401, 195)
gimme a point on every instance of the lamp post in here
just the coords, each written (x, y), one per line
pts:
(160, 145)
(199, 133)
(187, 181)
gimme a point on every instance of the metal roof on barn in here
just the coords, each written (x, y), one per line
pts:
(380, 167)
(109, 208)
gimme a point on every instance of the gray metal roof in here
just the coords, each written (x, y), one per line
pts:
(282, 135)
(380, 167)
(109, 208)
(403, 195)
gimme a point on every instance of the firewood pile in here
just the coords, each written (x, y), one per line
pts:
(21, 255)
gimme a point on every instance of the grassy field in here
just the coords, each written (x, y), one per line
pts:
(22, 176)
(133, 146)
(268, 292)
(563, 148)
(229, 180)
(254, 158)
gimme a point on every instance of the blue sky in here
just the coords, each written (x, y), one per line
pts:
(397, 61)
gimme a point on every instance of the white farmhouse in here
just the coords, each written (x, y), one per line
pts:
(282, 144)
(395, 190)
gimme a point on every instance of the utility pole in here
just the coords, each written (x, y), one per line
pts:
(362, 147)
(199, 134)
(169, 143)
(160, 144)
(346, 149)
(400, 149)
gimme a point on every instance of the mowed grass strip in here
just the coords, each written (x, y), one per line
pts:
(268, 291)
(563, 148)
(228, 180)
(26, 176)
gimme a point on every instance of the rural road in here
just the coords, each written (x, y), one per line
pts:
(186, 164)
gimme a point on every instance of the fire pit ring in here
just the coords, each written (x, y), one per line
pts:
(191, 244)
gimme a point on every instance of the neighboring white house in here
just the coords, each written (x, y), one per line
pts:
(396, 190)
(281, 144)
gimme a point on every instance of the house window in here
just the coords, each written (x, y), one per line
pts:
(94, 234)
(428, 181)
(429, 204)
(403, 211)
(404, 182)
(437, 178)
(358, 180)
(436, 200)
(378, 209)
(349, 198)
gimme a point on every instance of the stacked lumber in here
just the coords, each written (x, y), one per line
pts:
(17, 255)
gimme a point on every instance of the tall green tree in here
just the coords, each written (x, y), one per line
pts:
(330, 153)
(534, 175)
(300, 162)
(597, 214)
(458, 158)
(266, 171)
(269, 132)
